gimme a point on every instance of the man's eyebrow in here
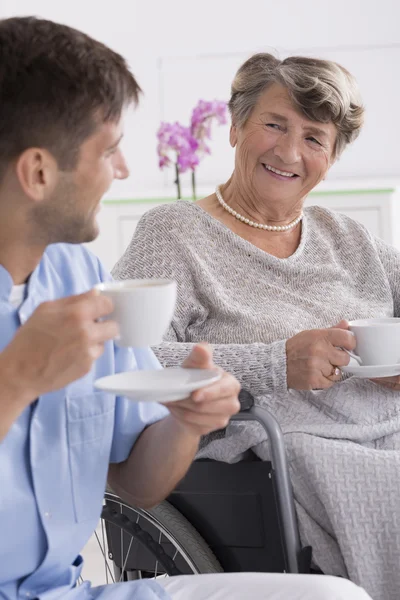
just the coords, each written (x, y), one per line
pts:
(116, 143)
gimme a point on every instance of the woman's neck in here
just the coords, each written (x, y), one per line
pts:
(248, 204)
(281, 244)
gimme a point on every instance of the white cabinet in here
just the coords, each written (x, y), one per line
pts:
(117, 222)
(377, 208)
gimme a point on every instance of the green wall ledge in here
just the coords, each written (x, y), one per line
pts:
(322, 193)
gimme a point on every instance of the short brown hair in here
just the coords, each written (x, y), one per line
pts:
(323, 90)
(56, 83)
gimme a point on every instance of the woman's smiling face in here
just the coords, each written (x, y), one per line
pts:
(280, 153)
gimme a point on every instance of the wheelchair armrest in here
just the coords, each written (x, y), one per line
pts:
(251, 412)
(246, 400)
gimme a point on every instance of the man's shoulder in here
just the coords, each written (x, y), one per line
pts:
(71, 254)
(74, 261)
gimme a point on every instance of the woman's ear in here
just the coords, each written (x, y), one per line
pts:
(233, 136)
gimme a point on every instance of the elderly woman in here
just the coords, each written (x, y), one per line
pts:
(269, 284)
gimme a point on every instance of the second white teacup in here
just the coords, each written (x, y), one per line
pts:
(378, 341)
(143, 309)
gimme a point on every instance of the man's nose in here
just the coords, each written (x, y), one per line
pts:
(121, 170)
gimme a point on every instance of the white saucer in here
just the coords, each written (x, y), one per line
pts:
(166, 385)
(371, 371)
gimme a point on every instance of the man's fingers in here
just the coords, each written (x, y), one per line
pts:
(104, 331)
(93, 304)
(220, 404)
(343, 324)
(96, 351)
(199, 420)
(76, 298)
(223, 407)
(199, 358)
(226, 387)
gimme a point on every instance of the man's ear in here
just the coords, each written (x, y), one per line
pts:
(37, 173)
(233, 136)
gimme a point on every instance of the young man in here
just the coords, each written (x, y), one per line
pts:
(62, 98)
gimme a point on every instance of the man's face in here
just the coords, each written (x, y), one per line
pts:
(70, 214)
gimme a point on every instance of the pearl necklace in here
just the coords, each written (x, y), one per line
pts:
(251, 223)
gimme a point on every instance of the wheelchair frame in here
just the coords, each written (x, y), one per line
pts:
(295, 555)
(295, 558)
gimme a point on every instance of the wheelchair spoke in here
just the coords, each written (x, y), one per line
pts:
(155, 570)
(126, 559)
(134, 544)
(121, 578)
(102, 550)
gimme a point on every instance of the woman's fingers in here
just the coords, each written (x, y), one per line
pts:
(392, 383)
(338, 357)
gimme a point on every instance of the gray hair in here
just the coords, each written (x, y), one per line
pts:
(323, 90)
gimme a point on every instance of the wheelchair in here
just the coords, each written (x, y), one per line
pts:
(220, 518)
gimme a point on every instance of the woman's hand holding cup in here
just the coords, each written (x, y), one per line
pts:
(314, 357)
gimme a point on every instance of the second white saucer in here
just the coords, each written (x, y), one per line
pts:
(165, 385)
(371, 371)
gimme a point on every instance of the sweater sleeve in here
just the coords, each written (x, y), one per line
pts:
(156, 252)
(390, 259)
(260, 368)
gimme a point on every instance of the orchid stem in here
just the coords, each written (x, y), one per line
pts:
(177, 181)
(193, 185)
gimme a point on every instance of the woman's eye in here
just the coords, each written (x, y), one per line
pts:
(314, 141)
(273, 126)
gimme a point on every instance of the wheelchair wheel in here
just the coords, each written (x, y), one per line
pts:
(135, 544)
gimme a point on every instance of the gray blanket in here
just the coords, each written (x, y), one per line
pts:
(344, 457)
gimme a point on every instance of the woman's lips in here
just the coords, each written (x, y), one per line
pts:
(278, 174)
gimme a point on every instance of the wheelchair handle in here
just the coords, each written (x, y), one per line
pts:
(250, 412)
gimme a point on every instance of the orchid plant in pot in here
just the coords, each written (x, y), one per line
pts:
(184, 147)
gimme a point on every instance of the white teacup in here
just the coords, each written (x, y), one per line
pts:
(143, 309)
(377, 341)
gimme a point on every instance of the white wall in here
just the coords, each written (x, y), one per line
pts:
(181, 50)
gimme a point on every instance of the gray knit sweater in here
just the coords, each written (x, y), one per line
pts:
(246, 302)
(342, 444)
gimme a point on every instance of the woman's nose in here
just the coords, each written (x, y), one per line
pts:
(287, 150)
